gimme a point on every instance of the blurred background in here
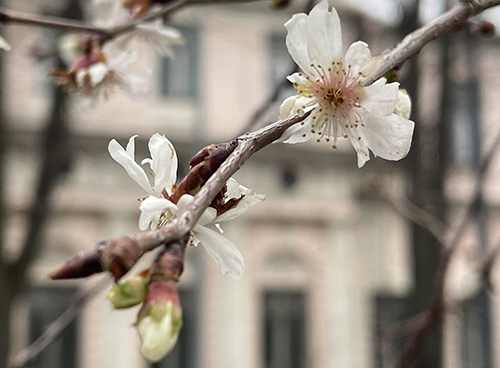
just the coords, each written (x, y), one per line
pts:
(330, 265)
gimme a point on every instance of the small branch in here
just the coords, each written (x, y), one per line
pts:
(419, 216)
(57, 327)
(11, 16)
(415, 41)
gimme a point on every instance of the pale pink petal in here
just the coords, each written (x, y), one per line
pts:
(222, 251)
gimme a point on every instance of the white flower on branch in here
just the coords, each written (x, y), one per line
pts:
(98, 73)
(331, 83)
(111, 13)
(157, 209)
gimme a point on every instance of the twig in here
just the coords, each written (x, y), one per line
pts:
(420, 216)
(58, 326)
(436, 308)
(11, 16)
(415, 41)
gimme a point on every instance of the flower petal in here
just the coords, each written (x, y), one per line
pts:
(133, 169)
(207, 216)
(162, 37)
(236, 190)
(222, 251)
(316, 38)
(388, 136)
(151, 210)
(164, 162)
(131, 146)
(360, 146)
(97, 72)
(380, 98)
(403, 106)
(358, 56)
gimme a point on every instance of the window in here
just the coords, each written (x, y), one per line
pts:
(284, 330)
(184, 353)
(180, 75)
(46, 305)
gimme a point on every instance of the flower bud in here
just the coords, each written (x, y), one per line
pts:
(129, 292)
(159, 320)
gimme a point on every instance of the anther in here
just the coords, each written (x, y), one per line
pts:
(359, 138)
(345, 135)
(313, 131)
(318, 140)
(334, 146)
(303, 135)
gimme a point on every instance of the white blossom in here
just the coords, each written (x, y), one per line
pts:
(330, 84)
(157, 210)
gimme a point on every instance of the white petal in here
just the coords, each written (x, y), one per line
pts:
(222, 251)
(388, 136)
(208, 215)
(151, 210)
(164, 162)
(296, 42)
(360, 147)
(325, 35)
(236, 190)
(81, 74)
(316, 38)
(403, 106)
(4, 44)
(358, 56)
(97, 72)
(162, 37)
(298, 133)
(380, 98)
(131, 146)
(133, 169)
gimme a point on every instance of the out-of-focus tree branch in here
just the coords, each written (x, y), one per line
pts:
(436, 309)
(28, 354)
(415, 41)
(11, 16)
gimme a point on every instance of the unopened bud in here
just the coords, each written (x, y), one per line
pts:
(129, 292)
(160, 320)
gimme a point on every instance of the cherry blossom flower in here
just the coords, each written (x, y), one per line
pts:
(111, 13)
(157, 209)
(99, 71)
(330, 84)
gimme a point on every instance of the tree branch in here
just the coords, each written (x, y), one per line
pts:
(435, 311)
(11, 16)
(415, 41)
(58, 326)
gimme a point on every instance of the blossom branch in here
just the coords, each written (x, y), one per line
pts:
(415, 41)
(119, 255)
(57, 327)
